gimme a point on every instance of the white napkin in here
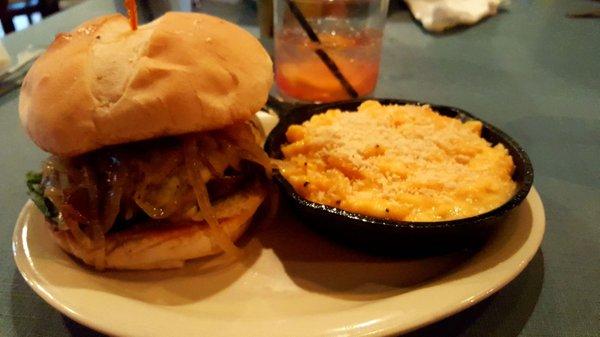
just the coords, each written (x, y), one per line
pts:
(438, 15)
(5, 60)
(10, 72)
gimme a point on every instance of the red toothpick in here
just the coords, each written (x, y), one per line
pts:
(131, 6)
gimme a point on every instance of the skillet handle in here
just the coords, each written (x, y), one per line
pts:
(282, 108)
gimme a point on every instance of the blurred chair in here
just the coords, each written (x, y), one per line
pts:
(11, 8)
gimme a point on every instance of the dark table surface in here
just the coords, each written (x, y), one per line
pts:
(531, 71)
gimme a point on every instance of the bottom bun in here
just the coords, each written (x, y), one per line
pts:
(156, 246)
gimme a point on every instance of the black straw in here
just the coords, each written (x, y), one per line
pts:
(319, 51)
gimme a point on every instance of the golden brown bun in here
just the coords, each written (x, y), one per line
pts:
(105, 84)
(162, 247)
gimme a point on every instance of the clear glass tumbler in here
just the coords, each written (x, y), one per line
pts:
(328, 50)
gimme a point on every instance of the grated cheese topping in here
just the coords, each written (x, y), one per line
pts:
(397, 162)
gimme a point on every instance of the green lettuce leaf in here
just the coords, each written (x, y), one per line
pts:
(36, 193)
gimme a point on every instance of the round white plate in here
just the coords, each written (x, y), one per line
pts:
(291, 283)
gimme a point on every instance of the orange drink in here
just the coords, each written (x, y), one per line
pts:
(346, 31)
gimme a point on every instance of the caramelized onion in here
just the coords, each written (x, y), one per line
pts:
(150, 210)
(54, 194)
(113, 199)
(194, 167)
(205, 142)
(78, 234)
(243, 140)
(258, 156)
(71, 219)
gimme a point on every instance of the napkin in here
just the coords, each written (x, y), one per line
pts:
(5, 60)
(438, 15)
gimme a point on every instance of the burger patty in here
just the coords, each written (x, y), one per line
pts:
(118, 185)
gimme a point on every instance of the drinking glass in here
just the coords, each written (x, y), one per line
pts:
(339, 59)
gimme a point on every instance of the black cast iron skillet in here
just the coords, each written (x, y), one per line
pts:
(399, 238)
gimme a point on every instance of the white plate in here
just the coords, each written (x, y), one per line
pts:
(292, 283)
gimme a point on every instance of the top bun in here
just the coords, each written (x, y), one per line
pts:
(104, 84)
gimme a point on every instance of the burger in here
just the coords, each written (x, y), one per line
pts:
(154, 160)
